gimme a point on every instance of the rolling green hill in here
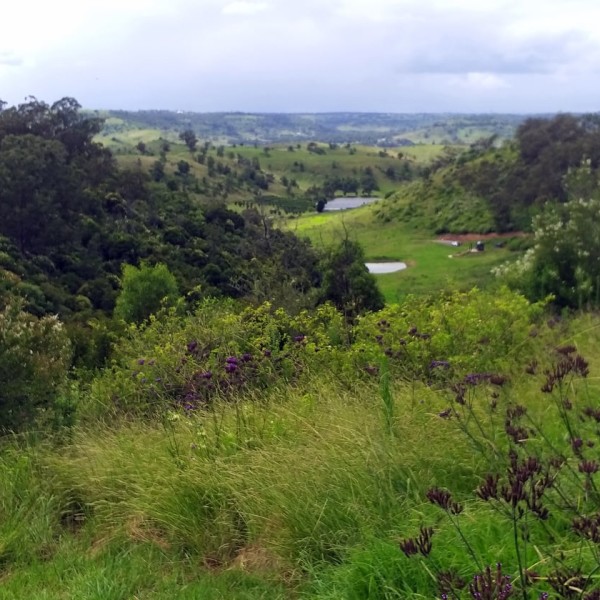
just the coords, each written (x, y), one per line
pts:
(385, 129)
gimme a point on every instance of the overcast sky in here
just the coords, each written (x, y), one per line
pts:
(304, 55)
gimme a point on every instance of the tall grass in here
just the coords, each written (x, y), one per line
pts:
(308, 487)
(288, 487)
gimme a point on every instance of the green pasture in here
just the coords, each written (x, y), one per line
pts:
(430, 267)
(307, 168)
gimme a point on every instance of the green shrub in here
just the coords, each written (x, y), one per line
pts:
(456, 334)
(347, 282)
(145, 290)
(563, 261)
(34, 359)
(223, 350)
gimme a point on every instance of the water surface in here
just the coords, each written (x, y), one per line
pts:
(346, 203)
(379, 268)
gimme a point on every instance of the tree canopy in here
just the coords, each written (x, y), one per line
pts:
(70, 218)
(347, 282)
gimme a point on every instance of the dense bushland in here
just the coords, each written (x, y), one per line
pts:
(563, 259)
(70, 218)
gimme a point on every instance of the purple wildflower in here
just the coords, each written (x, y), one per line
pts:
(589, 467)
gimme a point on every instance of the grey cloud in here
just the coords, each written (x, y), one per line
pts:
(477, 54)
(306, 57)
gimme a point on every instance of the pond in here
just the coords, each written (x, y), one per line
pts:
(346, 203)
(379, 268)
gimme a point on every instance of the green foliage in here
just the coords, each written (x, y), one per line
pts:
(144, 291)
(32, 183)
(219, 351)
(222, 352)
(97, 217)
(563, 261)
(189, 138)
(347, 282)
(47, 162)
(443, 339)
(517, 182)
(34, 359)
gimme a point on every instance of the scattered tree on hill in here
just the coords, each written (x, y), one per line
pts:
(368, 181)
(189, 139)
(183, 167)
(158, 170)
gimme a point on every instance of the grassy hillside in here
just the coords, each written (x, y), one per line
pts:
(247, 439)
(280, 176)
(306, 474)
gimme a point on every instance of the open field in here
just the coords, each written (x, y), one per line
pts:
(429, 266)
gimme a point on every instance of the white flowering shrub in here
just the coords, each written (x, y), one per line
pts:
(565, 259)
(34, 360)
